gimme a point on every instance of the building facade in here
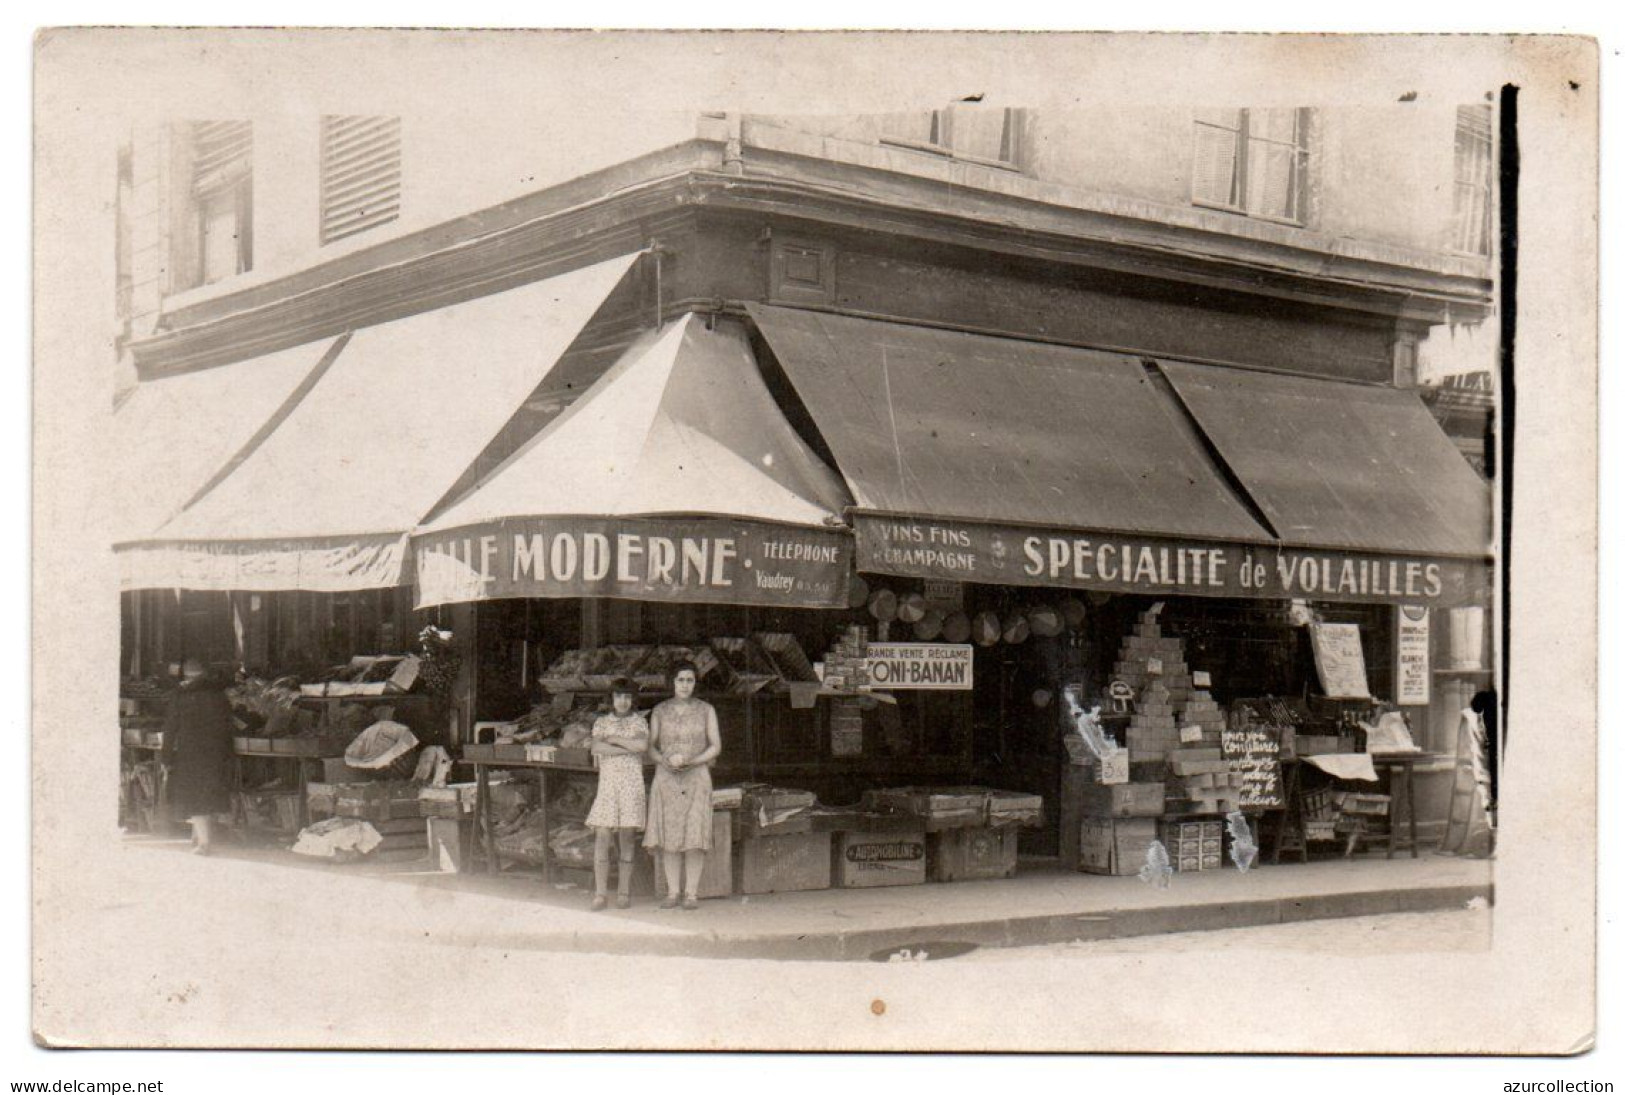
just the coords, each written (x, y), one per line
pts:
(1352, 245)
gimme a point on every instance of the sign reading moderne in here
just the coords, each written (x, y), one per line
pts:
(714, 560)
(969, 552)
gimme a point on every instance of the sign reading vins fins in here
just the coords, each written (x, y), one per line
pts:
(711, 560)
(1007, 555)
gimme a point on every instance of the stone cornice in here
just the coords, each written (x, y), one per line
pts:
(622, 208)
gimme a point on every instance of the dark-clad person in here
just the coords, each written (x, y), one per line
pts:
(197, 744)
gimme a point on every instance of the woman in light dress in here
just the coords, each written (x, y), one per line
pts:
(684, 740)
(618, 741)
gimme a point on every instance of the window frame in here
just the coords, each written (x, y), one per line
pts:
(941, 142)
(1485, 134)
(230, 182)
(1301, 125)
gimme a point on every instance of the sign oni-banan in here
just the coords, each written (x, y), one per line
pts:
(1134, 564)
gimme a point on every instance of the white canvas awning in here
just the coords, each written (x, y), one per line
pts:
(675, 477)
(325, 501)
(171, 436)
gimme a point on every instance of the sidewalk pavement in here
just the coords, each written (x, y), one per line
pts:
(1042, 904)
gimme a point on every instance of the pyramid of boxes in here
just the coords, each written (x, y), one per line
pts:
(1175, 733)
(1155, 668)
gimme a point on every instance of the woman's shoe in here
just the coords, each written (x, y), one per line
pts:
(623, 902)
(599, 902)
(670, 903)
(691, 902)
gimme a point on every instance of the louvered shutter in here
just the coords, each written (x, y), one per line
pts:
(1470, 227)
(361, 174)
(222, 155)
(1213, 174)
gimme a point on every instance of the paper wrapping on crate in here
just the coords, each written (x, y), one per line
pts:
(1345, 765)
(380, 745)
(931, 802)
(332, 838)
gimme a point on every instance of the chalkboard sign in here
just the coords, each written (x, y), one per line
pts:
(1340, 661)
(1255, 755)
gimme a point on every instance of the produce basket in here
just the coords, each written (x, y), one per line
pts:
(384, 746)
(613, 662)
(654, 675)
(568, 673)
(788, 657)
(748, 666)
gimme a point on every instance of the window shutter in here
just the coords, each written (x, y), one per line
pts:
(361, 174)
(916, 127)
(1470, 220)
(222, 154)
(1213, 174)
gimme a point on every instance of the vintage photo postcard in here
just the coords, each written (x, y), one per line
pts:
(814, 541)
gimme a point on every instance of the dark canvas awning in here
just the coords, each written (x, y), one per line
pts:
(946, 424)
(984, 459)
(1336, 465)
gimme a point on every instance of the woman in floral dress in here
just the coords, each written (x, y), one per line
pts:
(618, 741)
(684, 740)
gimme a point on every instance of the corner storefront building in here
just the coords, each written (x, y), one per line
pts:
(915, 485)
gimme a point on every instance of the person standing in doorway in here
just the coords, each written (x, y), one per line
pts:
(684, 740)
(619, 740)
(197, 739)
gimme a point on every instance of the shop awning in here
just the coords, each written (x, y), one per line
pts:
(982, 459)
(325, 501)
(1337, 465)
(172, 435)
(675, 477)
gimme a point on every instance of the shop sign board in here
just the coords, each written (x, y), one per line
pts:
(938, 666)
(1414, 670)
(1254, 753)
(709, 560)
(1006, 555)
(1340, 661)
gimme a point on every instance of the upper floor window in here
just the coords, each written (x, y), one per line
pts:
(361, 173)
(966, 131)
(221, 202)
(1252, 161)
(1470, 212)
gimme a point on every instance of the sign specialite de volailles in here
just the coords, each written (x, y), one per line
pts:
(711, 560)
(1006, 555)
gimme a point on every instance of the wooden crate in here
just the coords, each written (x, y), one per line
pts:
(879, 859)
(780, 864)
(717, 877)
(960, 855)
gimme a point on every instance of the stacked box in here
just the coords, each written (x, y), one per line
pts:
(962, 854)
(1193, 845)
(879, 859)
(846, 664)
(404, 839)
(1114, 845)
(1122, 800)
(1201, 710)
(383, 800)
(1153, 731)
(779, 864)
(1200, 781)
